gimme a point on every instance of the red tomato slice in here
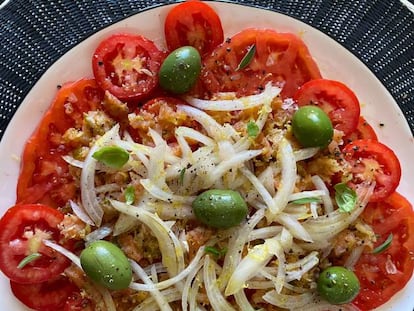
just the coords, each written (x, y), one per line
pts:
(44, 175)
(279, 58)
(335, 98)
(47, 296)
(384, 274)
(363, 131)
(373, 161)
(127, 65)
(193, 23)
(22, 230)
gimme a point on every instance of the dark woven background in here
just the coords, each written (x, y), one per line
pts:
(35, 33)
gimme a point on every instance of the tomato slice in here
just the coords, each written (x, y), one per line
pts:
(384, 274)
(46, 296)
(44, 175)
(127, 65)
(373, 161)
(335, 98)
(193, 23)
(281, 58)
(363, 131)
(22, 230)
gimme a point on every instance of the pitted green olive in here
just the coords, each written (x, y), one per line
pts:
(107, 265)
(338, 285)
(312, 127)
(180, 70)
(220, 208)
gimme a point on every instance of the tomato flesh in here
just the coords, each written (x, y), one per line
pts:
(372, 161)
(47, 296)
(280, 58)
(363, 131)
(44, 175)
(193, 23)
(127, 66)
(22, 229)
(335, 98)
(384, 274)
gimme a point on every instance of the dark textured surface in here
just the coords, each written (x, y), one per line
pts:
(36, 33)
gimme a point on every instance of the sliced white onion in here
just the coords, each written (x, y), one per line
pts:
(307, 194)
(194, 292)
(87, 180)
(150, 304)
(217, 301)
(171, 281)
(244, 143)
(167, 210)
(326, 227)
(233, 163)
(306, 153)
(354, 257)
(107, 188)
(265, 232)
(242, 301)
(99, 234)
(187, 293)
(286, 239)
(140, 151)
(156, 166)
(289, 302)
(236, 243)
(294, 226)
(276, 249)
(260, 188)
(107, 298)
(162, 195)
(256, 258)
(68, 254)
(296, 270)
(268, 180)
(242, 103)
(214, 129)
(326, 199)
(314, 209)
(191, 133)
(124, 223)
(80, 213)
(70, 160)
(156, 294)
(288, 179)
(170, 246)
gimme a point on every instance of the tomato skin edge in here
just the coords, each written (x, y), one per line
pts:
(50, 295)
(182, 13)
(394, 215)
(101, 58)
(387, 182)
(336, 98)
(15, 221)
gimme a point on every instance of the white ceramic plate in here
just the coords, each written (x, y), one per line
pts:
(334, 61)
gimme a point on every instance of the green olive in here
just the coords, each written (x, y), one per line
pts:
(107, 265)
(180, 70)
(220, 208)
(312, 127)
(338, 285)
